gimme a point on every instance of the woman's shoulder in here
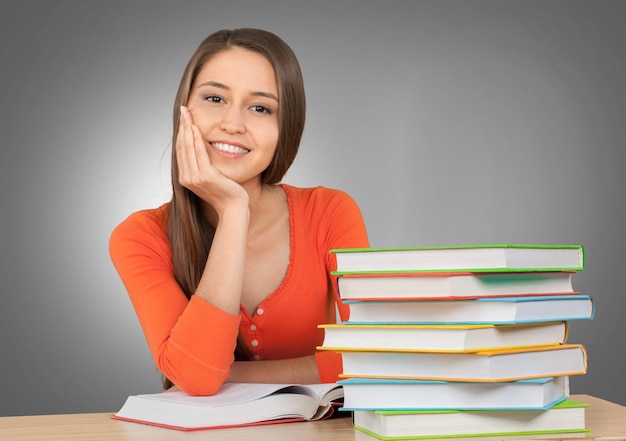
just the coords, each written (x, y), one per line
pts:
(151, 222)
(322, 205)
(330, 215)
(317, 194)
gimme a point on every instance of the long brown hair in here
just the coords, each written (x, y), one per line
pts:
(189, 232)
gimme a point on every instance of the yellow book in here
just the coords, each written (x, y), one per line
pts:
(440, 338)
(485, 366)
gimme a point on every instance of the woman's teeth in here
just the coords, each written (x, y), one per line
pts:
(229, 148)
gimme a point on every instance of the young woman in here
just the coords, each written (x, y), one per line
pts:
(232, 276)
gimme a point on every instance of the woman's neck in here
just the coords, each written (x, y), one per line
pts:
(263, 200)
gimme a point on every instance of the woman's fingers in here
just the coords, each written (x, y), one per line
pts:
(195, 171)
(200, 152)
(181, 156)
(189, 143)
(192, 141)
(194, 165)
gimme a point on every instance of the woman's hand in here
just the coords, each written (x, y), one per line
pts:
(222, 277)
(195, 171)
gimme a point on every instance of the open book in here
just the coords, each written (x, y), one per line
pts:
(236, 404)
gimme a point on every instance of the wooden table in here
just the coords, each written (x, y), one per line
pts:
(606, 420)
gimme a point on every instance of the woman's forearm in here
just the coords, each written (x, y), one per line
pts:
(301, 370)
(222, 279)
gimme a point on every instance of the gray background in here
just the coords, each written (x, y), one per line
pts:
(450, 122)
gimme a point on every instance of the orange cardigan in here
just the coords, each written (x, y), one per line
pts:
(192, 341)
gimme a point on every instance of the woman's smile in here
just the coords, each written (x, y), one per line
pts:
(229, 148)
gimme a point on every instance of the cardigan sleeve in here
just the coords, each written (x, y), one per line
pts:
(344, 227)
(191, 341)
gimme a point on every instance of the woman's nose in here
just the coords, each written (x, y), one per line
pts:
(233, 121)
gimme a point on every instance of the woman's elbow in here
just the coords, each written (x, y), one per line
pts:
(196, 379)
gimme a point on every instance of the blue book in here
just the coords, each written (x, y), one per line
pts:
(390, 394)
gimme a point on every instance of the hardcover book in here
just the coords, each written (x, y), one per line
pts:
(447, 286)
(385, 394)
(567, 417)
(486, 366)
(496, 310)
(440, 338)
(467, 258)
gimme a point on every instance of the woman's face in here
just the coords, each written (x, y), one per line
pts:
(234, 103)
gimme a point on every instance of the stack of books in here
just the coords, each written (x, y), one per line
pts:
(460, 341)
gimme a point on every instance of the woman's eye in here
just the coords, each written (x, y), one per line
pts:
(261, 109)
(213, 99)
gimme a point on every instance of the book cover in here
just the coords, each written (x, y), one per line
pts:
(465, 258)
(387, 394)
(567, 417)
(440, 338)
(493, 310)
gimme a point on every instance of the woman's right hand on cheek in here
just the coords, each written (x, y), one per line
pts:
(195, 171)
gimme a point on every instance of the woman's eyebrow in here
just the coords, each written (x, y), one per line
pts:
(225, 87)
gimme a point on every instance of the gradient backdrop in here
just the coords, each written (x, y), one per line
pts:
(450, 122)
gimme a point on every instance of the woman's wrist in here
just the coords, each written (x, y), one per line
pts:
(234, 210)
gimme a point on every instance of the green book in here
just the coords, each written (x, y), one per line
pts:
(565, 417)
(464, 258)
